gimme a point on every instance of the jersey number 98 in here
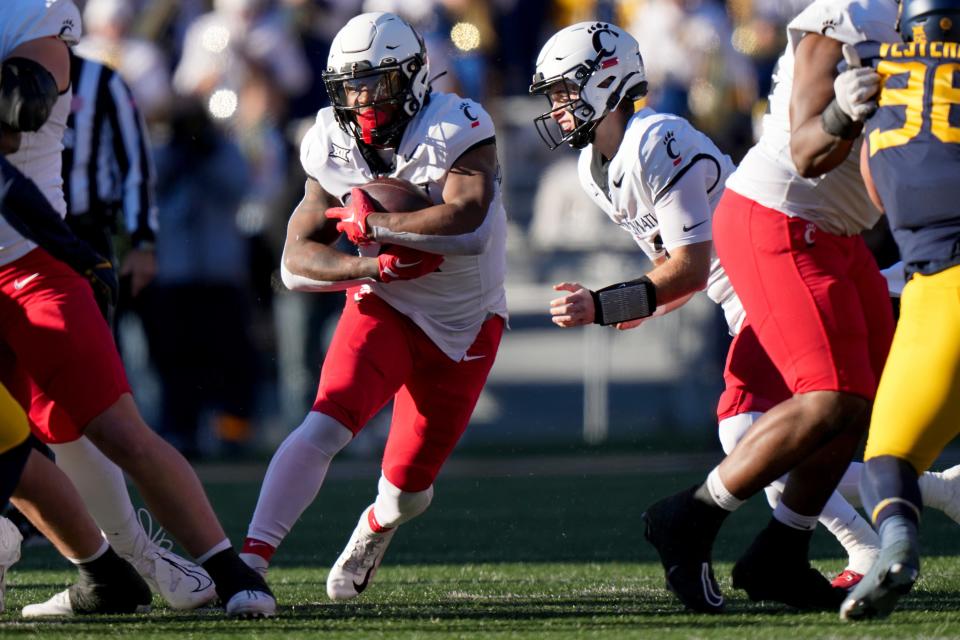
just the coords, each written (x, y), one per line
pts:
(944, 95)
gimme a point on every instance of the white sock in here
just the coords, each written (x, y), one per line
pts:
(858, 538)
(719, 492)
(933, 491)
(784, 514)
(255, 562)
(223, 545)
(849, 485)
(101, 485)
(295, 476)
(394, 506)
(102, 550)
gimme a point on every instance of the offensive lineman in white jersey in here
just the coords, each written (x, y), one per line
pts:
(422, 336)
(61, 363)
(787, 236)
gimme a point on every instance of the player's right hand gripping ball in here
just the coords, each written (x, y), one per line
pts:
(404, 263)
(353, 217)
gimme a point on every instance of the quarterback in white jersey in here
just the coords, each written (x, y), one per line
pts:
(61, 363)
(653, 174)
(425, 303)
(785, 232)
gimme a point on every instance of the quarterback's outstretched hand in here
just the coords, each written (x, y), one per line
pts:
(575, 309)
(404, 263)
(353, 217)
(857, 89)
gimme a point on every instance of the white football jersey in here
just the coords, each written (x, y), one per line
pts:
(656, 151)
(837, 201)
(451, 304)
(39, 154)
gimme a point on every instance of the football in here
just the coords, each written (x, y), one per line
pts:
(395, 195)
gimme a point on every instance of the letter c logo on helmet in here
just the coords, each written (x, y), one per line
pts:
(598, 30)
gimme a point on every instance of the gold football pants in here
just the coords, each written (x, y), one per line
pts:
(917, 410)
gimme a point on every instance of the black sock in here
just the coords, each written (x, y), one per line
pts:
(108, 584)
(890, 483)
(231, 575)
(708, 515)
(702, 496)
(103, 570)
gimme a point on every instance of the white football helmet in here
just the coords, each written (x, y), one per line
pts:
(601, 64)
(383, 59)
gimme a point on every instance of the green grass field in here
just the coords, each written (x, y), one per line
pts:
(521, 557)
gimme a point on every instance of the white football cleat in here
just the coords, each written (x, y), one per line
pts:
(181, 583)
(358, 563)
(57, 606)
(251, 604)
(10, 539)
(941, 490)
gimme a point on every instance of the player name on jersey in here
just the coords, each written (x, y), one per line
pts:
(920, 50)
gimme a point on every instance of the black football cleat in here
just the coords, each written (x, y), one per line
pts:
(683, 537)
(775, 567)
(117, 589)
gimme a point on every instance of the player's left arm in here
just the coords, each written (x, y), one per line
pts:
(814, 150)
(457, 226)
(684, 214)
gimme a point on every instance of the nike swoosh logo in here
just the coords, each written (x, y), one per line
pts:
(20, 284)
(257, 543)
(360, 586)
(469, 358)
(403, 265)
(693, 226)
(618, 182)
(203, 581)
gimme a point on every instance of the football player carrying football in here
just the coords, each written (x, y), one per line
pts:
(419, 329)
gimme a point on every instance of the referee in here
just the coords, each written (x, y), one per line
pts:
(108, 169)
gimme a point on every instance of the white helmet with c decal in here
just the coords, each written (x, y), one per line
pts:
(601, 62)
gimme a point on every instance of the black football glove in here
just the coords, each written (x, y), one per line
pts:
(106, 288)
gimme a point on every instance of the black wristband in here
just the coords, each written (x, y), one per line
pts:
(839, 124)
(624, 301)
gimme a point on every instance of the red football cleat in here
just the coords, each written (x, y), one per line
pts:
(847, 579)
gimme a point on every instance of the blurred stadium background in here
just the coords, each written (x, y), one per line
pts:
(255, 65)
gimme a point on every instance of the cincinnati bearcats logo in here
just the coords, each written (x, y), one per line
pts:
(604, 39)
(668, 141)
(474, 120)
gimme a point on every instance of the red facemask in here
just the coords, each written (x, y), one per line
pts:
(373, 118)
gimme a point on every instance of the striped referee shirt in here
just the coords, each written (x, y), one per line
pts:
(107, 167)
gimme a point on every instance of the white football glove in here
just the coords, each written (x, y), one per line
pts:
(857, 89)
